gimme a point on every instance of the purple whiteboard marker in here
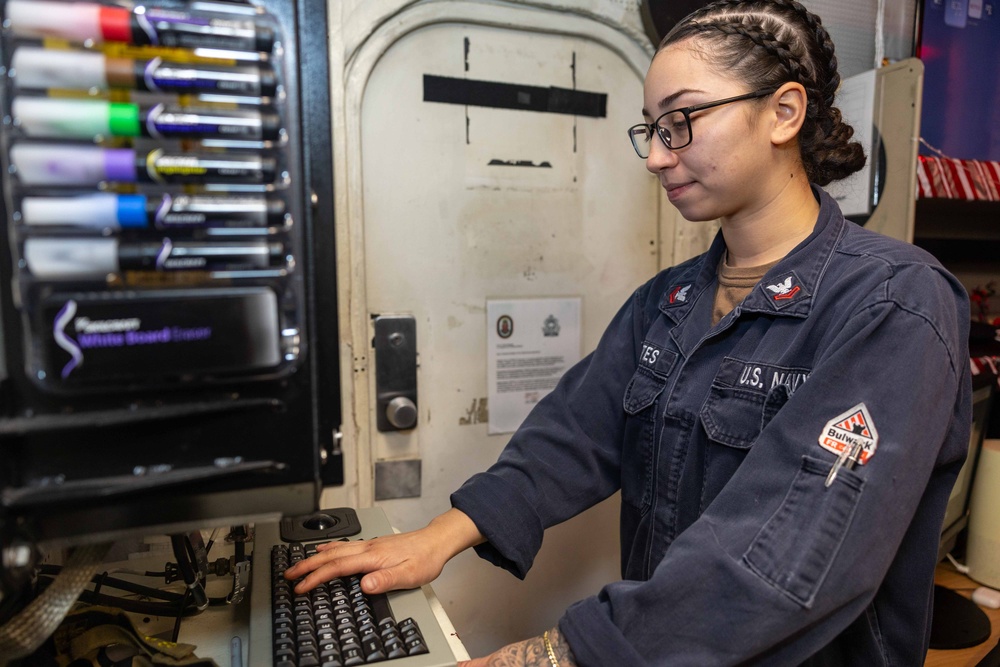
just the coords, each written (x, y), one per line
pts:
(70, 164)
(49, 164)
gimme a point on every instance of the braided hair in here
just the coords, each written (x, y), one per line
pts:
(766, 43)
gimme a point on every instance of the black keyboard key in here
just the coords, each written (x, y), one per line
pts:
(331, 660)
(416, 646)
(352, 656)
(372, 649)
(380, 608)
(396, 651)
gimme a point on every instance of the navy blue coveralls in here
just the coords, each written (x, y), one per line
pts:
(734, 550)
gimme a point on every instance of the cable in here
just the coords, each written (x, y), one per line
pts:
(137, 573)
(172, 604)
(138, 589)
(185, 562)
(24, 633)
(177, 623)
(964, 569)
(119, 584)
(168, 608)
(211, 541)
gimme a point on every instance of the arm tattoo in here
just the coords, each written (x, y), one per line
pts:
(532, 653)
(561, 648)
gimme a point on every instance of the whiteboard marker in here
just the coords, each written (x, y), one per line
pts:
(74, 164)
(83, 22)
(76, 258)
(38, 68)
(168, 211)
(86, 119)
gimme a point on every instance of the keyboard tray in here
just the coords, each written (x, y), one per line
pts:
(405, 604)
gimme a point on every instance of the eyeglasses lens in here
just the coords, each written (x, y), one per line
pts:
(640, 137)
(673, 129)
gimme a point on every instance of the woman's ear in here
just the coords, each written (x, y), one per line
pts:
(789, 105)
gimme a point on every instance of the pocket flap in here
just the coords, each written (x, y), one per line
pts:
(733, 417)
(642, 390)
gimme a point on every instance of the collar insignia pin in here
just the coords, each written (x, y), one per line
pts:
(679, 293)
(784, 290)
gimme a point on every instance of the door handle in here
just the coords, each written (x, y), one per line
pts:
(395, 372)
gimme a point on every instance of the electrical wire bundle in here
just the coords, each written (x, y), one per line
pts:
(192, 567)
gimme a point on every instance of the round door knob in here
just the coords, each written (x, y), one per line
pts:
(401, 412)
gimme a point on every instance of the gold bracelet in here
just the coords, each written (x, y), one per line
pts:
(548, 649)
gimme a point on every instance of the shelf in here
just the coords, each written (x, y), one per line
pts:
(957, 219)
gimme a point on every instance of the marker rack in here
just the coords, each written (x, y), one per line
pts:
(148, 244)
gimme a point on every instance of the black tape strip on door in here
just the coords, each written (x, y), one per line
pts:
(498, 95)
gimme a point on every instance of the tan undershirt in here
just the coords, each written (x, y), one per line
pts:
(735, 284)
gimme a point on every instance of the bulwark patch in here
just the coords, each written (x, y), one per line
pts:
(852, 432)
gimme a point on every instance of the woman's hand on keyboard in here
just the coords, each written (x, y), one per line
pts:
(390, 562)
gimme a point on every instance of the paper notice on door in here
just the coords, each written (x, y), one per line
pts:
(531, 343)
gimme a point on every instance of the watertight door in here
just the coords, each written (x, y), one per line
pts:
(495, 165)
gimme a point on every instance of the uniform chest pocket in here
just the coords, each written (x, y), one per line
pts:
(744, 397)
(733, 417)
(642, 392)
(641, 403)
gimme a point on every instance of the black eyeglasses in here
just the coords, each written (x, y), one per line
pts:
(674, 126)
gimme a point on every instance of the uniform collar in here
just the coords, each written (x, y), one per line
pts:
(786, 290)
(689, 286)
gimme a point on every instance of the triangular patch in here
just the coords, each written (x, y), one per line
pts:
(853, 429)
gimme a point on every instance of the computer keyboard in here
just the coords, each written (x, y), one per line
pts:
(336, 624)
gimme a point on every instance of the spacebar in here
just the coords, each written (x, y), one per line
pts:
(380, 608)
